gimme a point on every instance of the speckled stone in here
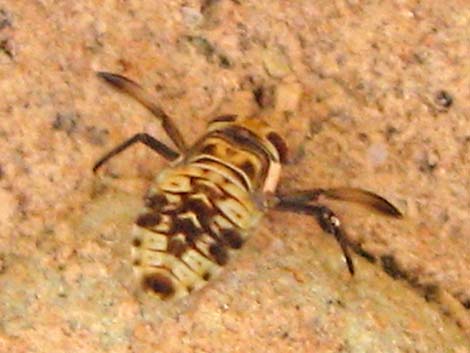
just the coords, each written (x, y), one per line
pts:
(373, 95)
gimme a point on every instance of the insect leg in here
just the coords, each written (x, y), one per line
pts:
(327, 220)
(149, 141)
(359, 196)
(137, 92)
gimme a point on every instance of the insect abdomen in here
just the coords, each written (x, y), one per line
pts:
(195, 216)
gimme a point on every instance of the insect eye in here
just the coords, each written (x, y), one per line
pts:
(280, 145)
(224, 118)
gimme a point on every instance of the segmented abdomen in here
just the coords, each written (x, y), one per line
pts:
(196, 215)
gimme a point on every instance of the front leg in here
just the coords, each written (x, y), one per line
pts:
(149, 141)
(325, 217)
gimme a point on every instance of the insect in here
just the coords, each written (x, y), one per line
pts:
(202, 207)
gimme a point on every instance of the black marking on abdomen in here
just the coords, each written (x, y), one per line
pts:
(232, 237)
(219, 253)
(203, 212)
(187, 227)
(148, 220)
(155, 202)
(159, 284)
(176, 246)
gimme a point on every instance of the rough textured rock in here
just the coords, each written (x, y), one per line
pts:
(373, 95)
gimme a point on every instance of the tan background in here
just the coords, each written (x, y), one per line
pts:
(369, 94)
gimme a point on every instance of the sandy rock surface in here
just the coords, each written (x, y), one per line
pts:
(368, 94)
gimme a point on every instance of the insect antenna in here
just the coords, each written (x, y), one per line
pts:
(137, 92)
(362, 197)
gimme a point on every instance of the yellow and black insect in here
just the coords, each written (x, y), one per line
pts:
(204, 205)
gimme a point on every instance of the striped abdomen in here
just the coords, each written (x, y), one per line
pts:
(197, 213)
